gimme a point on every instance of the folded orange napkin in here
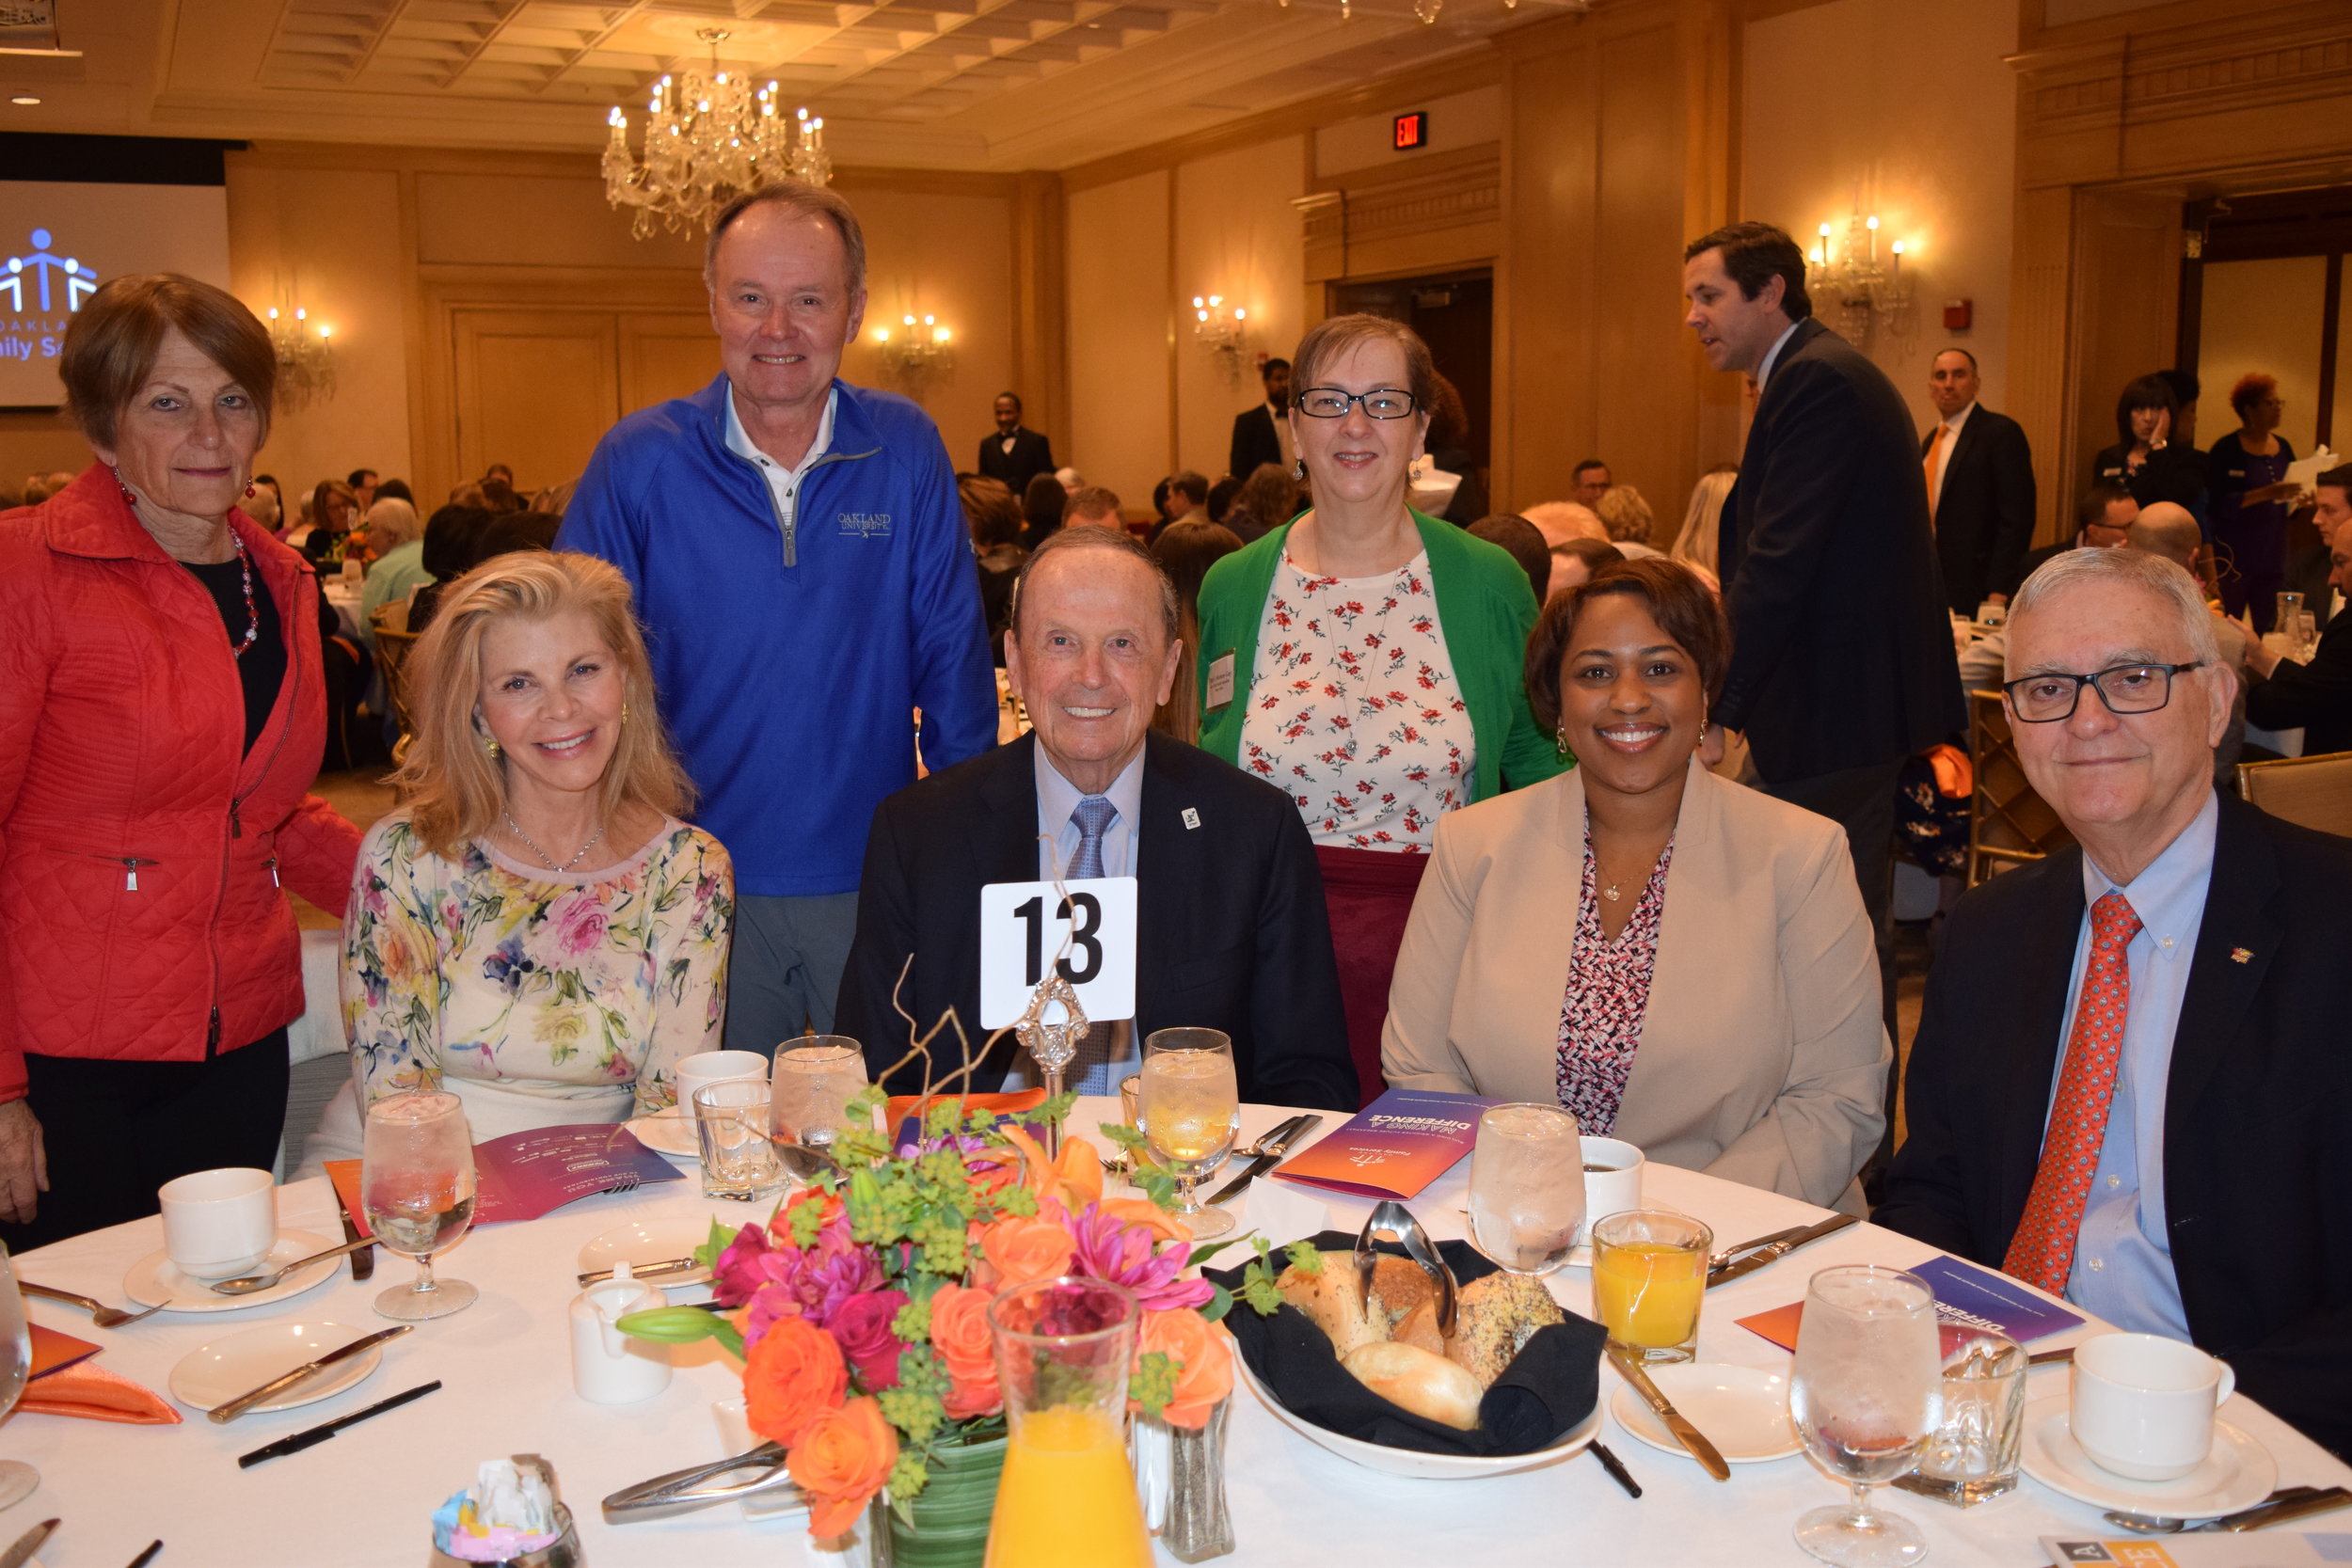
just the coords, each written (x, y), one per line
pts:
(53, 1350)
(93, 1393)
(904, 1106)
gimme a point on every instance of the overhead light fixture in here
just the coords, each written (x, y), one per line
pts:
(707, 138)
(26, 99)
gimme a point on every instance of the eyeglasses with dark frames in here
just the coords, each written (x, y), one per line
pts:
(2049, 697)
(1331, 403)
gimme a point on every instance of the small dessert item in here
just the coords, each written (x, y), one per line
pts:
(509, 1512)
(1495, 1319)
(1426, 1384)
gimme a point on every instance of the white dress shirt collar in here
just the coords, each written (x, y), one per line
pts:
(1057, 797)
(1772, 356)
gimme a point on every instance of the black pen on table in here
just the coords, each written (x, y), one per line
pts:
(147, 1556)
(304, 1439)
(1616, 1469)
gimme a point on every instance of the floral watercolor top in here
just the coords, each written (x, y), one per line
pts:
(1607, 997)
(483, 967)
(1355, 711)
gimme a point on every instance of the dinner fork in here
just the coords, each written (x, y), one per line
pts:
(99, 1313)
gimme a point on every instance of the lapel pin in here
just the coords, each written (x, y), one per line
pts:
(2241, 955)
(1192, 819)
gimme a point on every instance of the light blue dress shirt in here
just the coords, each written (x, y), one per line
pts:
(2122, 1253)
(1057, 799)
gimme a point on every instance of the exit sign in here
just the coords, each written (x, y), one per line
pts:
(1411, 131)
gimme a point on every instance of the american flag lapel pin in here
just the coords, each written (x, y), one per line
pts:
(1192, 819)
(2241, 955)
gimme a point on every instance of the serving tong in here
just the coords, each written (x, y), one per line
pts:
(1392, 1221)
(666, 1497)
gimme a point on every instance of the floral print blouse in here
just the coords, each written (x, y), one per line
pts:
(1607, 997)
(483, 967)
(1354, 708)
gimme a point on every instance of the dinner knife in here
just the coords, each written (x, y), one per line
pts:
(2278, 1512)
(242, 1403)
(26, 1545)
(1687, 1436)
(1765, 1257)
(1270, 1151)
(643, 1270)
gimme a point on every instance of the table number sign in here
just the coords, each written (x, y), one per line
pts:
(1084, 931)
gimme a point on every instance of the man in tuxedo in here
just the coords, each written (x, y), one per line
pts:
(2316, 697)
(1231, 931)
(1263, 434)
(1014, 454)
(2104, 516)
(2129, 1085)
(1981, 493)
(2311, 573)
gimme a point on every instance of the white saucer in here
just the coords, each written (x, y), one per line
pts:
(669, 1132)
(2239, 1473)
(1742, 1410)
(642, 1242)
(154, 1281)
(218, 1372)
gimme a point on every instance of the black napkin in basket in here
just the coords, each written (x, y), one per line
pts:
(1550, 1385)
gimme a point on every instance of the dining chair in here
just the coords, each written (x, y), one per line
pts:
(2009, 824)
(2311, 792)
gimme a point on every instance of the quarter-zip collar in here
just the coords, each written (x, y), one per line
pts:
(843, 436)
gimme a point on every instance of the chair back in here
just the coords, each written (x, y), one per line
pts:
(391, 659)
(2008, 823)
(391, 615)
(2311, 792)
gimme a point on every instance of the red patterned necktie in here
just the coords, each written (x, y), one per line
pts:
(2043, 1250)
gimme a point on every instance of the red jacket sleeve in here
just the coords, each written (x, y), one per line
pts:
(317, 852)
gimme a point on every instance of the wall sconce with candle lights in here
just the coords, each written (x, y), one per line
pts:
(916, 352)
(1871, 294)
(305, 359)
(1219, 328)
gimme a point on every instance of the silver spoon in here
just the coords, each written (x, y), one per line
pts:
(2158, 1524)
(1393, 1220)
(247, 1284)
(802, 1162)
(99, 1313)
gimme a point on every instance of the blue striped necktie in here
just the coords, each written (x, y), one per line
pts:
(1089, 1070)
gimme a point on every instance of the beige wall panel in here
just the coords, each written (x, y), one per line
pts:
(1368, 142)
(2126, 305)
(950, 257)
(1237, 235)
(1921, 120)
(535, 220)
(664, 357)
(1119, 335)
(44, 444)
(1546, 382)
(335, 236)
(536, 390)
(1444, 250)
(2261, 316)
(2040, 279)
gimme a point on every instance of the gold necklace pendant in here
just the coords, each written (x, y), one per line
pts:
(1610, 892)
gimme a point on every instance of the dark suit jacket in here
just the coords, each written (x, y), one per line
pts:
(2175, 474)
(1231, 932)
(2257, 1116)
(1842, 652)
(1032, 454)
(1254, 442)
(2317, 696)
(1985, 518)
(2306, 574)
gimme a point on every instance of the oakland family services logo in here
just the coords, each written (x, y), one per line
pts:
(40, 292)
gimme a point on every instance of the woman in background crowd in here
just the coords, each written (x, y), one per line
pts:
(1448, 452)
(2145, 459)
(994, 519)
(452, 546)
(161, 721)
(1268, 499)
(535, 930)
(333, 506)
(1628, 519)
(1185, 551)
(2250, 498)
(1365, 659)
(1042, 505)
(1712, 996)
(396, 558)
(1700, 543)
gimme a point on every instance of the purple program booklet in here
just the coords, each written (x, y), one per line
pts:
(524, 1174)
(1393, 1146)
(1978, 1298)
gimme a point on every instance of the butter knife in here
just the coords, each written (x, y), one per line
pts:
(2279, 1512)
(1270, 1151)
(1687, 1436)
(242, 1403)
(1765, 1257)
(26, 1545)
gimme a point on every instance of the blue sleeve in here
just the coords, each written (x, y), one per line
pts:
(599, 520)
(955, 684)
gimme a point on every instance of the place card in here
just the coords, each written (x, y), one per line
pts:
(2270, 1548)
(1393, 1146)
(524, 1174)
(1965, 1296)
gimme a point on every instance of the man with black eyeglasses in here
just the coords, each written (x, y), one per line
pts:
(2130, 1086)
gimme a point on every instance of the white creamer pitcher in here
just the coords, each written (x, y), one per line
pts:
(607, 1366)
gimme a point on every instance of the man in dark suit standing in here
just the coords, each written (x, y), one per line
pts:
(1981, 492)
(1842, 663)
(1261, 435)
(2311, 571)
(2315, 697)
(2130, 1086)
(1231, 931)
(1014, 454)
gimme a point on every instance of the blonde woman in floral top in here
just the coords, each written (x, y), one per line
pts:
(538, 931)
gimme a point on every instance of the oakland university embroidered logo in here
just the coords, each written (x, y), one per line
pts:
(866, 525)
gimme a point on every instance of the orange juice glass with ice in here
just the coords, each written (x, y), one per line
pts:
(1068, 1498)
(1649, 1275)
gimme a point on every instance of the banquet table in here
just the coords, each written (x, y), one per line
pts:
(364, 1498)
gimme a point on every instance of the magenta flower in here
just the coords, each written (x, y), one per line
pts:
(792, 1282)
(863, 1327)
(1113, 1249)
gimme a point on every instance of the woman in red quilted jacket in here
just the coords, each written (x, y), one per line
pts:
(161, 716)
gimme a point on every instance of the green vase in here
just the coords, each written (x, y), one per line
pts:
(953, 1510)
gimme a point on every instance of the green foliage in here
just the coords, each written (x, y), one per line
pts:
(1219, 1303)
(1153, 1384)
(1257, 1280)
(682, 1325)
(1306, 1256)
(721, 1239)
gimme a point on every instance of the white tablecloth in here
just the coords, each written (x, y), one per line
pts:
(364, 1498)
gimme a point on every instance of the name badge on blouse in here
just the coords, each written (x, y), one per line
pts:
(1220, 682)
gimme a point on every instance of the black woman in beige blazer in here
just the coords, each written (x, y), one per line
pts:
(1761, 1056)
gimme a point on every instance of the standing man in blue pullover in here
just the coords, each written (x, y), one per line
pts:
(805, 581)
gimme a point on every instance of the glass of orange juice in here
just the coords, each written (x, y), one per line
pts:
(1649, 1275)
(1068, 1498)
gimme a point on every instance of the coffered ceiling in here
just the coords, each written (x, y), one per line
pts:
(950, 84)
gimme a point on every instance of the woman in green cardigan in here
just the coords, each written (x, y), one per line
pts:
(1366, 659)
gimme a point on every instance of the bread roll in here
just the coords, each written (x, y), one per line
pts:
(1428, 1385)
(1419, 1328)
(1496, 1315)
(1402, 1286)
(1330, 1299)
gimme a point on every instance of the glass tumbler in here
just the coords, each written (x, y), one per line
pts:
(815, 1077)
(1973, 1452)
(739, 1157)
(1068, 1498)
(1527, 1186)
(1650, 1275)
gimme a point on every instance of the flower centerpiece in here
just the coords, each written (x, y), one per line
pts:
(860, 1310)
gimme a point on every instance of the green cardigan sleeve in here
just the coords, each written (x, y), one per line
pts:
(1486, 609)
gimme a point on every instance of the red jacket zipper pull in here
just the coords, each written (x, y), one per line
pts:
(273, 872)
(131, 864)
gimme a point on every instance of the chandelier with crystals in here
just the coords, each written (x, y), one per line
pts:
(707, 140)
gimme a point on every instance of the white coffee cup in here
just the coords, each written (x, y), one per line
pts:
(219, 1223)
(2142, 1404)
(714, 1067)
(1613, 1191)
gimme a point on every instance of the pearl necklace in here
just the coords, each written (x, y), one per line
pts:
(547, 858)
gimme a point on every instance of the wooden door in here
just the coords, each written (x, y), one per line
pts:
(535, 390)
(664, 355)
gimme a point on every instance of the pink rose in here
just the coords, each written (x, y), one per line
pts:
(579, 921)
(862, 1325)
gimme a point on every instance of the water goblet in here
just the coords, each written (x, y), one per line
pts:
(815, 1077)
(16, 1480)
(1189, 1111)
(1866, 1395)
(417, 1189)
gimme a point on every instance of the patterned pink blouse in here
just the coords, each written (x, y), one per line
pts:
(1600, 1018)
(1355, 711)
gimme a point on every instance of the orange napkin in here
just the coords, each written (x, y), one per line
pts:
(54, 1352)
(904, 1106)
(66, 1383)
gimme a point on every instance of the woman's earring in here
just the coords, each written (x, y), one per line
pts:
(1560, 740)
(490, 744)
(1702, 732)
(624, 713)
(128, 496)
(1299, 469)
(248, 492)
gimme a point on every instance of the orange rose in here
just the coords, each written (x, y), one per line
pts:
(780, 1224)
(794, 1375)
(1204, 1358)
(842, 1459)
(1075, 1176)
(959, 1335)
(1143, 1211)
(1016, 1250)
